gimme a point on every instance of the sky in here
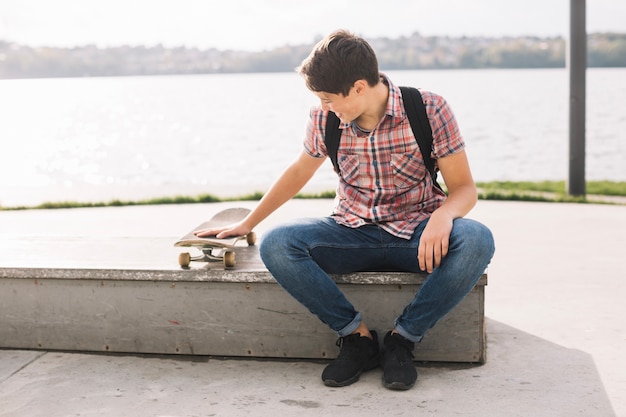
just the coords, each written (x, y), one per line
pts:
(254, 25)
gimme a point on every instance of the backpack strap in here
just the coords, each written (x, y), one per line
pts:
(332, 136)
(418, 119)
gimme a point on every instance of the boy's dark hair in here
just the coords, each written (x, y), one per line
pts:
(337, 62)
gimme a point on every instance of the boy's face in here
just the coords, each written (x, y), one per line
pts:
(347, 108)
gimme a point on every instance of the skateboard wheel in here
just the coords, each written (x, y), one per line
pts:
(251, 238)
(229, 259)
(184, 259)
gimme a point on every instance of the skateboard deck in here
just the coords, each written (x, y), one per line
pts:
(214, 249)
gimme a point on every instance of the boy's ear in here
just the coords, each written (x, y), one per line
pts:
(360, 86)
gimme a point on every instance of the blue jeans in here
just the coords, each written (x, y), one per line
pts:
(301, 254)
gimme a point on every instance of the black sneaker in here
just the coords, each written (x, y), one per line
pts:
(358, 354)
(399, 372)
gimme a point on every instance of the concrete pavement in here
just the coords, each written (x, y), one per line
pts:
(554, 303)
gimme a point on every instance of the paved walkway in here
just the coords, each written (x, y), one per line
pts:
(556, 327)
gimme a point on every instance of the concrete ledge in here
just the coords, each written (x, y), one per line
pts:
(210, 311)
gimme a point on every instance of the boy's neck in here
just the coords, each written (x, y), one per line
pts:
(377, 98)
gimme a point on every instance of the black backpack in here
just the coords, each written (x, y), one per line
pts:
(416, 112)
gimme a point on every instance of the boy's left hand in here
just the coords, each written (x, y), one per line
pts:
(434, 241)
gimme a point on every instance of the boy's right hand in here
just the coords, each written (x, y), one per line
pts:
(237, 229)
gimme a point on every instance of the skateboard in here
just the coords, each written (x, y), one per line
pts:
(213, 249)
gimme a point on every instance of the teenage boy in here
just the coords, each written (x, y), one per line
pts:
(388, 214)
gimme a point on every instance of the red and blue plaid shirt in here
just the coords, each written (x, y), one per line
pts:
(383, 179)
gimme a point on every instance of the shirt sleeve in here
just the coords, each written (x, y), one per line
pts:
(447, 138)
(314, 140)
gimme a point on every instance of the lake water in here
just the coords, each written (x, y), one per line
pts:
(93, 139)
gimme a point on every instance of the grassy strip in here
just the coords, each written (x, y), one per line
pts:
(202, 198)
(550, 191)
(542, 191)
(608, 188)
(536, 197)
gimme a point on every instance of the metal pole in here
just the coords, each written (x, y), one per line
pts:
(577, 63)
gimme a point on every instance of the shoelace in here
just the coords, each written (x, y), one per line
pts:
(347, 348)
(401, 350)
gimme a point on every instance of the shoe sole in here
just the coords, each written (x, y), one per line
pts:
(333, 383)
(398, 386)
(373, 364)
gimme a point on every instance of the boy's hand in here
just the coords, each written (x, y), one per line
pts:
(434, 241)
(237, 229)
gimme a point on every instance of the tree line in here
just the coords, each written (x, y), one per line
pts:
(403, 53)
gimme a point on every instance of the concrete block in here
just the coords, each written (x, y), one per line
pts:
(211, 311)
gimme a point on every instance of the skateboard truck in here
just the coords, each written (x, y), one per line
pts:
(215, 253)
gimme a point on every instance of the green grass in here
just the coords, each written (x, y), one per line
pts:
(202, 198)
(609, 188)
(545, 191)
(549, 191)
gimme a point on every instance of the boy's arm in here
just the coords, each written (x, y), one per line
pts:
(297, 174)
(462, 197)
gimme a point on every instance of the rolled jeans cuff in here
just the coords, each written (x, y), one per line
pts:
(407, 335)
(351, 327)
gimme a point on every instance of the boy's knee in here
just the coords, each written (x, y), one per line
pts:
(477, 236)
(274, 242)
(267, 245)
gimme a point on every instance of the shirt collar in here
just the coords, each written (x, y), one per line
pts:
(395, 109)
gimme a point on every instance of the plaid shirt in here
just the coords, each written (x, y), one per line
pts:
(383, 179)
